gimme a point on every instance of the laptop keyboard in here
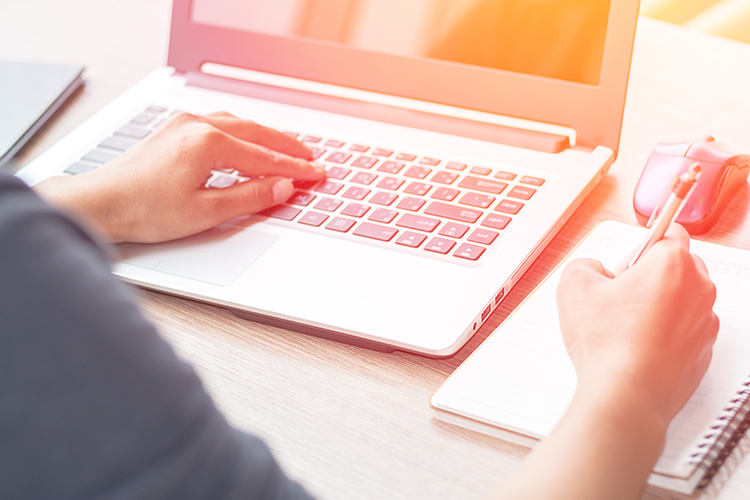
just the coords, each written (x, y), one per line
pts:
(424, 203)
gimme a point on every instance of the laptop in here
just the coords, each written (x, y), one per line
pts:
(459, 137)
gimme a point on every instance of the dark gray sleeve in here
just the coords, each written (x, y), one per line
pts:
(93, 403)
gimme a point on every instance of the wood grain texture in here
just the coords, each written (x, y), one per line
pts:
(348, 422)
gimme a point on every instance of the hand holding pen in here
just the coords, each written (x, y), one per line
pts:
(676, 196)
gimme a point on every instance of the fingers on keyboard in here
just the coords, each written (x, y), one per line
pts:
(441, 208)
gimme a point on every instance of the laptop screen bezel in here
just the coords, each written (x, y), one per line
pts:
(593, 111)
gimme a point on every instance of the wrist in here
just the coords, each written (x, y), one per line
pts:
(90, 203)
(624, 403)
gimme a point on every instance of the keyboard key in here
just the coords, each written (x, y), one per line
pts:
(329, 187)
(338, 172)
(506, 176)
(118, 144)
(446, 194)
(156, 109)
(406, 157)
(80, 168)
(383, 215)
(355, 210)
(481, 170)
(534, 181)
(99, 156)
(496, 221)
(338, 157)
(453, 212)
(311, 138)
(418, 188)
(356, 193)
(301, 198)
(412, 204)
(439, 245)
(313, 219)
(454, 230)
(420, 222)
(429, 161)
(364, 162)
(485, 185)
(444, 177)
(391, 167)
(131, 131)
(410, 239)
(358, 148)
(485, 236)
(291, 134)
(282, 212)
(334, 143)
(418, 172)
(511, 207)
(222, 181)
(306, 185)
(382, 198)
(317, 152)
(521, 192)
(364, 178)
(454, 165)
(328, 204)
(376, 231)
(391, 183)
(382, 152)
(477, 200)
(142, 119)
(468, 251)
(340, 224)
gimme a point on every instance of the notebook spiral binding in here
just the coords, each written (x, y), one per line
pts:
(727, 433)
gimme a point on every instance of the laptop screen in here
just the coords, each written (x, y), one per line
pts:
(558, 39)
(562, 62)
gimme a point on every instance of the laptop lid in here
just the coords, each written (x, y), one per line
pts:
(562, 62)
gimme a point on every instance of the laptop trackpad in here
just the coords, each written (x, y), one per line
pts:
(216, 256)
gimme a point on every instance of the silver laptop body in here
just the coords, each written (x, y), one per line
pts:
(470, 95)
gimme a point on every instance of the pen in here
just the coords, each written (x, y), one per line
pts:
(677, 195)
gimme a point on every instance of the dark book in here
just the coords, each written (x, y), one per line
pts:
(30, 93)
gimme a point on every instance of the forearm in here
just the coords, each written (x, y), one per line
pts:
(100, 403)
(602, 448)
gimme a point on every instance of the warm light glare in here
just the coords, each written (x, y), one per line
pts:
(561, 39)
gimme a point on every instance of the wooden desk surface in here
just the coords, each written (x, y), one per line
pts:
(348, 422)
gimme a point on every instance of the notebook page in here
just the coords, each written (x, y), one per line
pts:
(729, 269)
(521, 378)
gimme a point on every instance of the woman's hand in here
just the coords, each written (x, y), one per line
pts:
(640, 342)
(649, 331)
(155, 191)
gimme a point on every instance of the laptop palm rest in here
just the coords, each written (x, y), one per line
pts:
(217, 256)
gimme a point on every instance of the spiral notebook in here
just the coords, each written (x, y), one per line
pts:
(518, 384)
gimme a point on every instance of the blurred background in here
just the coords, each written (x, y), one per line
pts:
(727, 18)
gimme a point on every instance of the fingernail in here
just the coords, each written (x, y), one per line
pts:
(282, 190)
(319, 169)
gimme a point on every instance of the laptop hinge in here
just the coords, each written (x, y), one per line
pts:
(490, 132)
